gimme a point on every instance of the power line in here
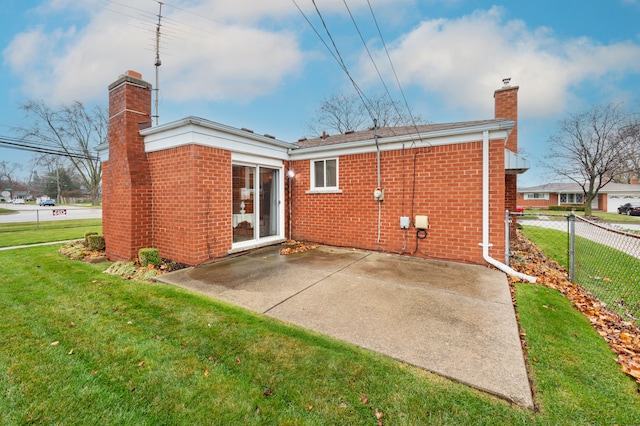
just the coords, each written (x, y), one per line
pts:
(43, 148)
(373, 15)
(336, 55)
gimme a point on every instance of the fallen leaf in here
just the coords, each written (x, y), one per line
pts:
(364, 400)
(70, 352)
(267, 392)
(94, 372)
(309, 408)
(343, 405)
(55, 343)
(72, 324)
(238, 360)
(378, 414)
(206, 372)
(141, 363)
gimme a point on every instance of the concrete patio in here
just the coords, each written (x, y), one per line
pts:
(452, 319)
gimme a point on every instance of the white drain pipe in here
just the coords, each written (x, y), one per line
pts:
(485, 217)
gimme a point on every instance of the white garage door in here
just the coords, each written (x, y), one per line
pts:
(615, 201)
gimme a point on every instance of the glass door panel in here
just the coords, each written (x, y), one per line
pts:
(243, 215)
(268, 202)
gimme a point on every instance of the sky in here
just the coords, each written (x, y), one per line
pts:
(265, 65)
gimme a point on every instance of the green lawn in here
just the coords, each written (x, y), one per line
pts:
(82, 347)
(13, 234)
(610, 275)
(605, 216)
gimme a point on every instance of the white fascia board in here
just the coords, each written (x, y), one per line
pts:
(439, 138)
(197, 131)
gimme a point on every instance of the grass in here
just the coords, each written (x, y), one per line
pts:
(6, 211)
(607, 273)
(13, 234)
(135, 353)
(605, 216)
(575, 376)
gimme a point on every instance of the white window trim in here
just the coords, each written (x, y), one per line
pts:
(532, 196)
(323, 189)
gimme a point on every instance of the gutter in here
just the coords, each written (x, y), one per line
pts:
(485, 217)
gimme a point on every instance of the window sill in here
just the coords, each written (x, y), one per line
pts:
(324, 191)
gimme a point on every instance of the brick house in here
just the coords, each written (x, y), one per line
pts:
(570, 194)
(199, 190)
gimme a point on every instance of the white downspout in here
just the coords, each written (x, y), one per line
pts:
(485, 216)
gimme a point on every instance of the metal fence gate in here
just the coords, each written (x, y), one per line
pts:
(603, 258)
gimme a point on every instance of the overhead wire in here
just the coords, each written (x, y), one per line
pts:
(393, 68)
(44, 148)
(336, 55)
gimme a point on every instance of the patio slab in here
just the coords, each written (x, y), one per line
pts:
(452, 319)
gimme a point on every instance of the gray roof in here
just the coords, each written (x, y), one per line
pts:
(386, 132)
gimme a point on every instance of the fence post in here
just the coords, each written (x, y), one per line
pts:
(507, 229)
(571, 219)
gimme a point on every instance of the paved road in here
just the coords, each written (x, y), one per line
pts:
(32, 213)
(611, 237)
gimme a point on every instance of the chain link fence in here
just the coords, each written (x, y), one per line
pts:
(603, 258)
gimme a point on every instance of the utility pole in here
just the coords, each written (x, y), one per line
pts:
(158, 62)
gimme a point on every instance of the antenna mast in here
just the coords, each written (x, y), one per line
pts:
(158, 62)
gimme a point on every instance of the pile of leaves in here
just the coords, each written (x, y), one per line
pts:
(78, 250)
(293, 246)
(134, 270)
(622, 336)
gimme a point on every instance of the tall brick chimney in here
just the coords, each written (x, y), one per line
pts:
(126, 194)
(506, 106)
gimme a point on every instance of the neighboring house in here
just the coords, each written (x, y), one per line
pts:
(609, 198)
(199, 190)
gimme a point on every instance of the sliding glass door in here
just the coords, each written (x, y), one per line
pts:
(256, 205)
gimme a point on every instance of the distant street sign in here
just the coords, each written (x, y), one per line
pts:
(59, 212)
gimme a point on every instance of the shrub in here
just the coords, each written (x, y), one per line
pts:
(87, 235)
(149, 256)
(96, 242)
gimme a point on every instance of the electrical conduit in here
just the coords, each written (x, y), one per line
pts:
(485, 217)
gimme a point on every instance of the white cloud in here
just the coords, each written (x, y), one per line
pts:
(463, 60)
(208, 61)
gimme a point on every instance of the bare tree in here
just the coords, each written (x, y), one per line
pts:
(591, 148)
(7, 174)
(74, 131)
(341, 113)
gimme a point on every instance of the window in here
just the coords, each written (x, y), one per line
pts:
(536, 196)
(571, 198)
(324, 174)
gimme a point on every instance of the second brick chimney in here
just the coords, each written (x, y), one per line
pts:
(506, 106)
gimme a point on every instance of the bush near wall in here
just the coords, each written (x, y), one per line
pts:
(96, 242)
(149, 256)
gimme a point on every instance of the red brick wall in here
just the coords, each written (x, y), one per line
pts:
(126, 219)
(448, 189)
(191, 203)
(538, 204)
(506, 106)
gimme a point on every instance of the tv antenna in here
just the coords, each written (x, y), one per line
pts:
(158, 62)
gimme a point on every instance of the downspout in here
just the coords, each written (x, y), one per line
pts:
(375, 136)
(485, 217)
